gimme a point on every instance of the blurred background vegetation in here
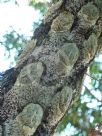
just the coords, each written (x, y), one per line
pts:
(86, 113)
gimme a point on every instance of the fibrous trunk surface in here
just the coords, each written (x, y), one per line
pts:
(49, 73)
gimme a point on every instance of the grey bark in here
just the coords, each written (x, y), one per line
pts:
(49, 73)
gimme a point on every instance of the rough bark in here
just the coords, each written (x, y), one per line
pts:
(49, 73)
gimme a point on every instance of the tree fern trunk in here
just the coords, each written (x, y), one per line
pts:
(50, 71)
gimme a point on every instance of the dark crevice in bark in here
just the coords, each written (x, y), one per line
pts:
(75, 23)
(59, 89)
(76, 76)
(8, 79)
(88, 33)
(41, 32)
(41, 131)
(74, 6)
(44, 73)
(100, 35)
(44, 129)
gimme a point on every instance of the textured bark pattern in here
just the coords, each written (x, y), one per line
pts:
(52, 68)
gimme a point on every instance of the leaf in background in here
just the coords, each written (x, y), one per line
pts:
(95, 67)
(41, 5)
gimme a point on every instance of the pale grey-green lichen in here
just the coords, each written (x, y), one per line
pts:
(30, 73)
(67, 56)
(63, 22)
(26, 122)
(59, 105)
(89, 47)
(99, 5)
(89, 13)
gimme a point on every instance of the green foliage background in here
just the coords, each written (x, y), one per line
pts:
(81, 116)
